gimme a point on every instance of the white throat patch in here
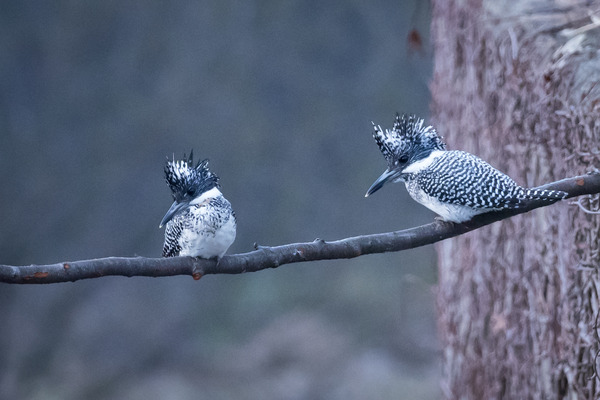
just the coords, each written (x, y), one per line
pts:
(214, 192)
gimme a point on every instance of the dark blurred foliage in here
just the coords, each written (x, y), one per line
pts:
(280, 96)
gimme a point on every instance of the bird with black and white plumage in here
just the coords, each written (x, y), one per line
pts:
(200, 222)
(454, 184)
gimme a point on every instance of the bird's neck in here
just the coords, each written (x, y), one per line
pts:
(423, 163)
(209, 194)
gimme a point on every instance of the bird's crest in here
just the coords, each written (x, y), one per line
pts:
(185, 180)
(407, 135)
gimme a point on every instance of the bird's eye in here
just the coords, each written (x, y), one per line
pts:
(190, 192)
(403, 159)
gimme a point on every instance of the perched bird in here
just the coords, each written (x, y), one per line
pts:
(454, 184)
(200, 222)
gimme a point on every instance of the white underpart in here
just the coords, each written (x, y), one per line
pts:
(208, 241)
(448, 212)
(209, 246)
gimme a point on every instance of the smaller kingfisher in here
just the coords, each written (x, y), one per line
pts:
(200, 222)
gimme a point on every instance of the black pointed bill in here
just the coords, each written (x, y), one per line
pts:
(174, 209)
(388, 175)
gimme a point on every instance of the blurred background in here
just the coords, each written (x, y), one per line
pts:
(280, 97)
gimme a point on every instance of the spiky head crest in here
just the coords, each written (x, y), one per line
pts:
(186, 181)
(408, 141)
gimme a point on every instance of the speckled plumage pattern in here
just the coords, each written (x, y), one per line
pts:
(202, 230)
(201, 222)
(454, 184)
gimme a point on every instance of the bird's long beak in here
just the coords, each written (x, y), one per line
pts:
(382, 180)
(174, 209)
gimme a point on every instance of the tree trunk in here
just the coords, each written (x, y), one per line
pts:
(518, 302)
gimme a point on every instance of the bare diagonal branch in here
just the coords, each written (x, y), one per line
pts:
(272, 257)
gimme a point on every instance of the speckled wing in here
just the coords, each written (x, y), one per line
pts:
(171, 248)
(460, 178)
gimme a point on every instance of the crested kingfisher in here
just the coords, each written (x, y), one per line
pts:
(454, 184)
(200, 222)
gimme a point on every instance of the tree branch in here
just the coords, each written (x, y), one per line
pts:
(273, 257)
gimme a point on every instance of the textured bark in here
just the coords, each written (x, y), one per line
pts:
(518, 300)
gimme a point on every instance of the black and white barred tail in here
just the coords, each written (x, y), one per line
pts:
(550, 196)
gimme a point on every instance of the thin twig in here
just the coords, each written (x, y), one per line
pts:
(583, 208)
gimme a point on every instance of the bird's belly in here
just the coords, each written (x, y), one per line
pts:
(448, 211)
(209, 244)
